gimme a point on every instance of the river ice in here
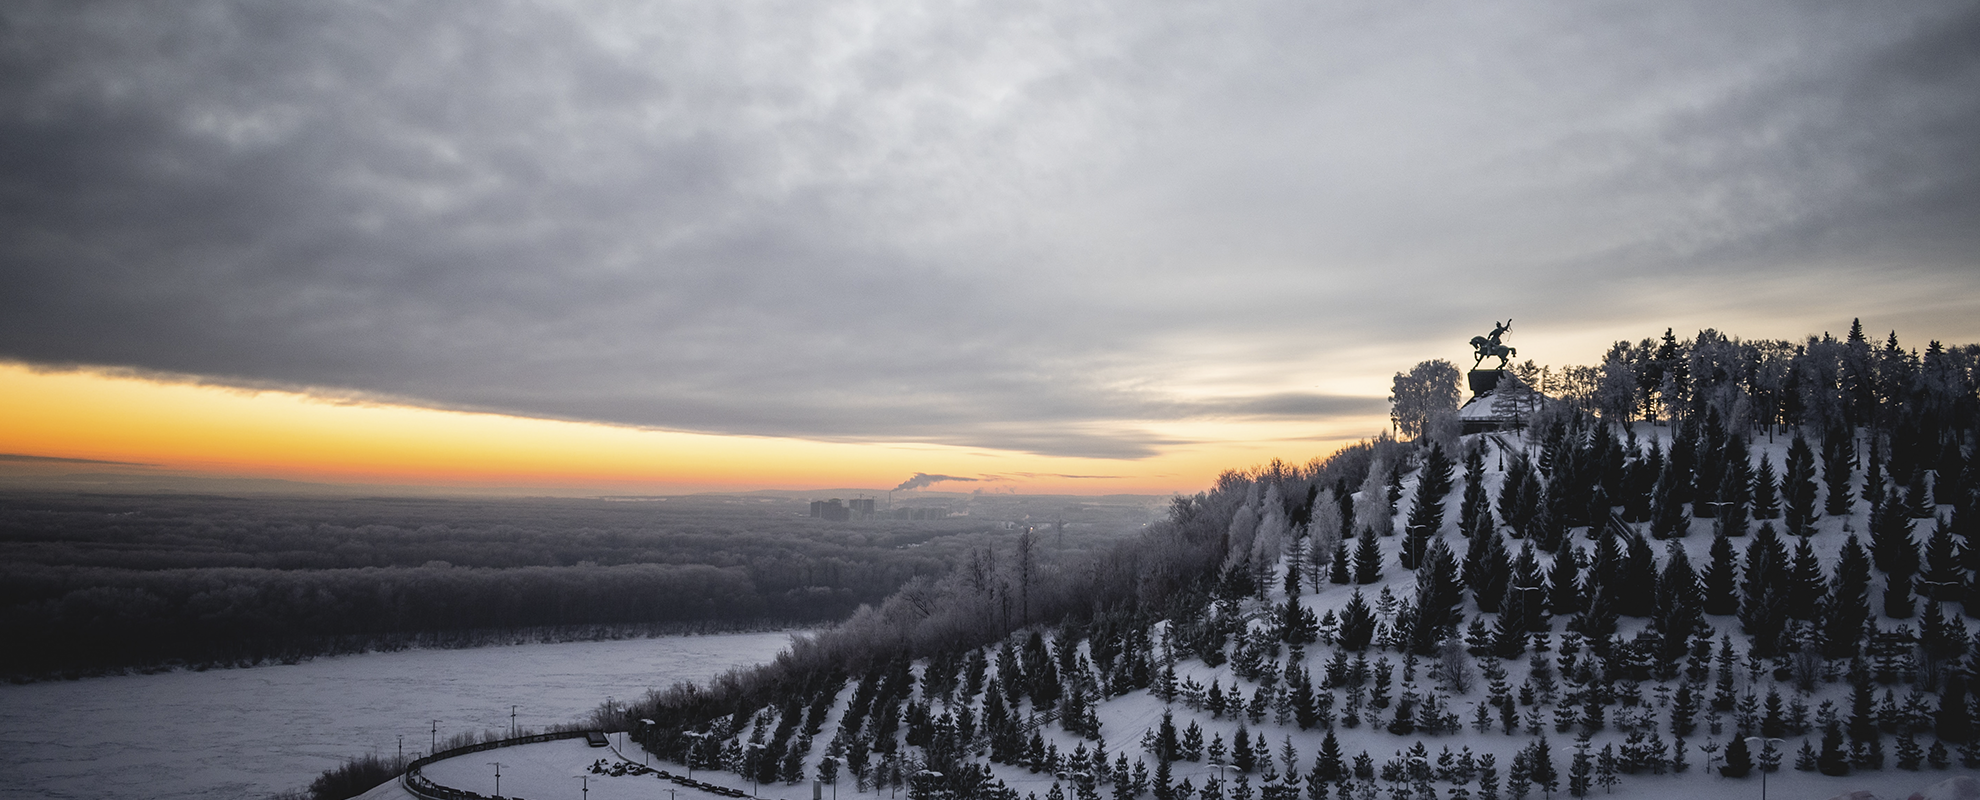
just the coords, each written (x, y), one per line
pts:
(247, 733)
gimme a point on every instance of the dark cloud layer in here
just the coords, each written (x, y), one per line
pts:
(1043, 229)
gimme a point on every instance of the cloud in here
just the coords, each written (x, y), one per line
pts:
(1058, 230)
(60, 460)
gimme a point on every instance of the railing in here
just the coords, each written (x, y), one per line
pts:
(419, 786)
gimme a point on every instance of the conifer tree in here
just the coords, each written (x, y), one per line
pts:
(1731, 516)
(1367, 559)
(1739, 760)
(1720, 579)
(1636, 591)
(1439, 598)
(1944, 578)
(1668, 519)
(1764, 591)
(1849, 602)
(1808, 588)
(1581, 769)
(1838, 467)
(1357, 623)
(1766, 491)
(1337, 572)
(1798, 487)
(1954, 722)
(1679, 604)
(1918, 497)
(1564, 592)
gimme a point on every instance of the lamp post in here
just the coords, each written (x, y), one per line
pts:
(434, 747)
(754, 767)
(643, 751)
(1525, 618)
(402, 750)
(498, 777)
(587, 785)
(1767, 742)
(834, 762)
(693, 750)
(512, 721)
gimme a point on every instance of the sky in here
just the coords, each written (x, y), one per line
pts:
(1076, 247)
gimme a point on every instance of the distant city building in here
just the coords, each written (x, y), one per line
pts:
(863, 507)
(833, 509)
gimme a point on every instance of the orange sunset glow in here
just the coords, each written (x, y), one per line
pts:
(225, 432)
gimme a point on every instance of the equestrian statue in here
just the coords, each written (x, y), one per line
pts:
(1489, 345)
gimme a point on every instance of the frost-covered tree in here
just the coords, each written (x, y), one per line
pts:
(1426, 390)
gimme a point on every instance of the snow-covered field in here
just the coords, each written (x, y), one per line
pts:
(248, 733)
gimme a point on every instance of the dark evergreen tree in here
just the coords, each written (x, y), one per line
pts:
(1708, 477)
(1838, 467)
(1565, 594)
(1668, 519)
(1739, 760)
(1439, 599)
(1721, 579)
(1766, 491)
(1764, 591)
(1834, 761)
(1328, 766)
(1337, 573)
(1954, 722)
(1679, 605)
(1798, 488)
(1918, 497)
(1944, 578)
(1849, 602)
(1367, 560)
(1486, 573)
(1731, 517)
(1357, 623)
(1636, 591)
(1808, 588)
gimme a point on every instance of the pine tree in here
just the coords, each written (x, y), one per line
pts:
(1833, 761)
(1808, 588)
(1945, 576)
(1367, 559)
(1565, 592)
(1338, 571)
(1764, 590)
(1720, 579)
(1439, 598)
(1838, 467)
(1357, 623)
(1667, 517)
(1849, 602)
(1488, 574)
(1918, 497)
(1328, 766)
(1798, 487)
(1541, 766)
(1739, 760)
(1581, 769)
(1679, 604)
(1954, 722)
(1636, 591)
(1605, 769)
(1766, 491)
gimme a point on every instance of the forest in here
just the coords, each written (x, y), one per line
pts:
(91, 583)
(1706, 556)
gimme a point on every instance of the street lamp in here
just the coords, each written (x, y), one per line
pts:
(693, 750)
(498, 777)
(587, 785)
(512, 721)
(754, 767)
(434, 747)
(834, 762)
(643, 751)
(1768, 743)
(1526, 618)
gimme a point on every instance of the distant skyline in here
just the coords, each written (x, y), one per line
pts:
(655, 247)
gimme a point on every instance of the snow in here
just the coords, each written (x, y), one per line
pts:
(245, 733)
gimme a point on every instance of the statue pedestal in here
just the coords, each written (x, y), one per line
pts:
(1484, 380)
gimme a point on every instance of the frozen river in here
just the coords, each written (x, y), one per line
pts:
(249, 733)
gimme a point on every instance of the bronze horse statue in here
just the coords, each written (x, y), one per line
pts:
(1489, 346)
